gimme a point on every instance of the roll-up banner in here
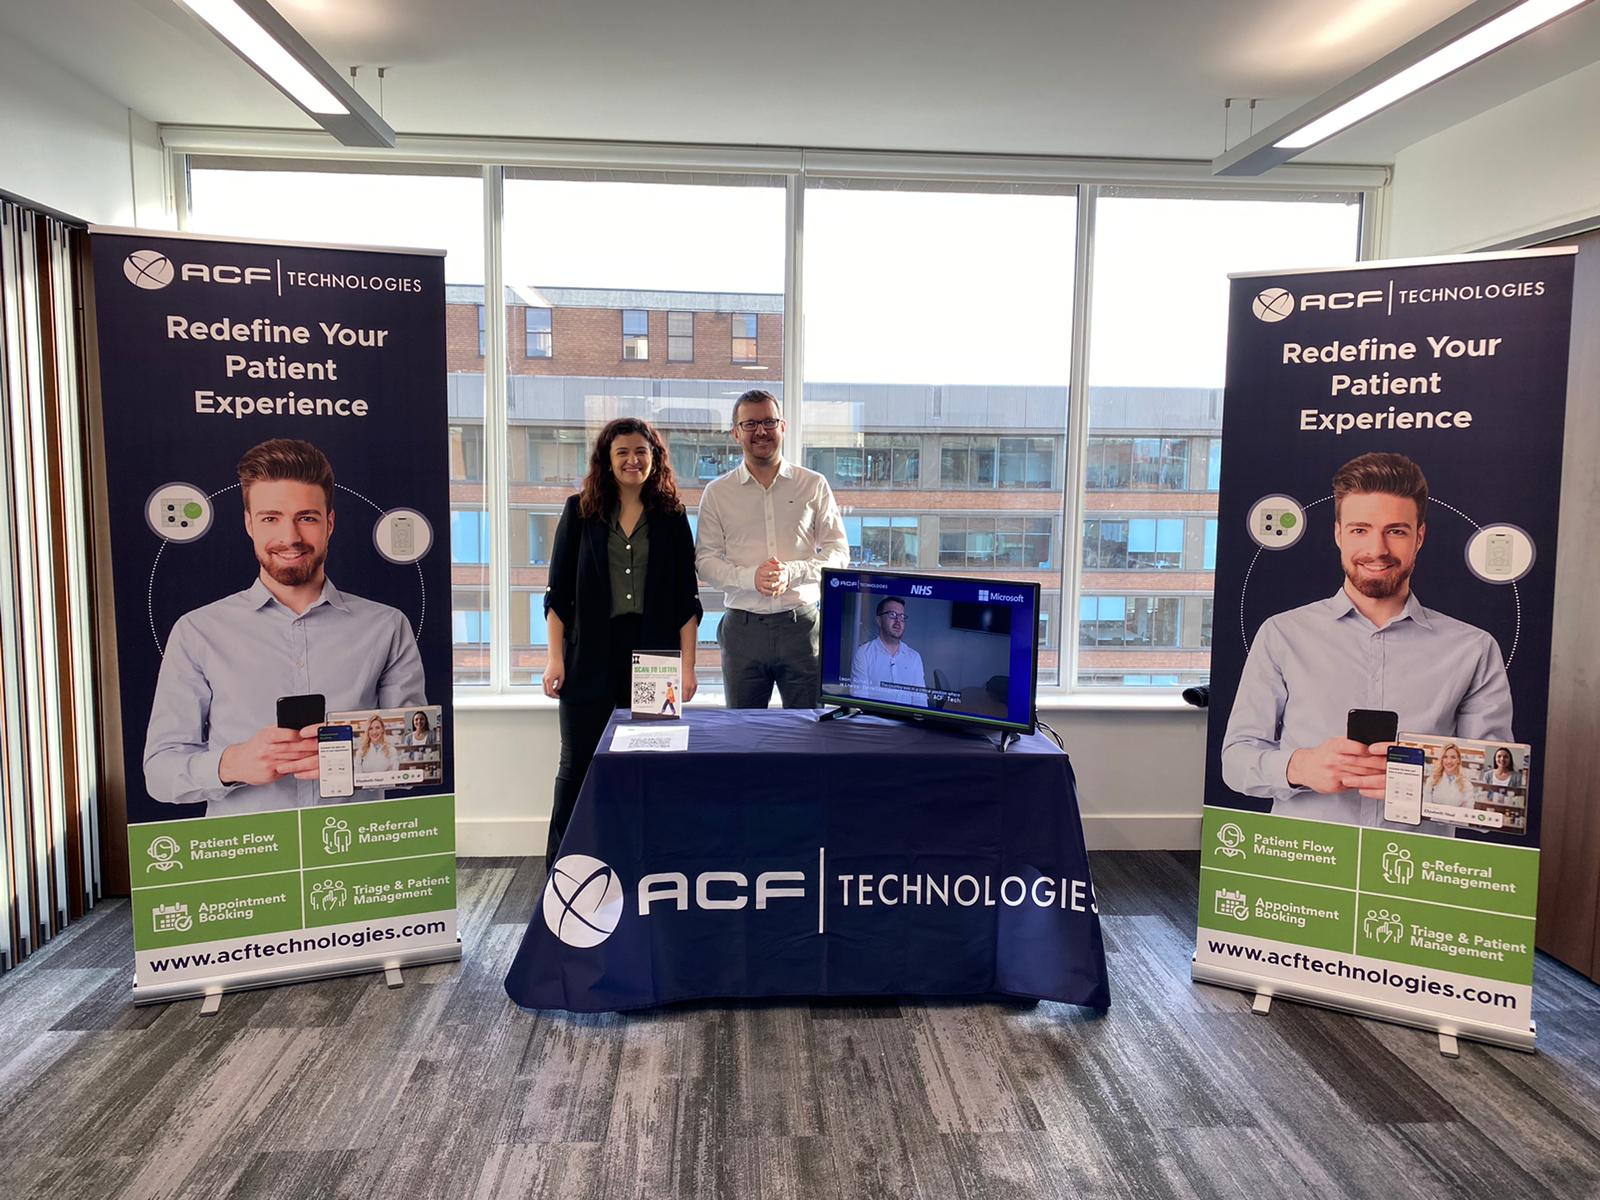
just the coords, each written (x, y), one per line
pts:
(276, 448)
(1391, 470)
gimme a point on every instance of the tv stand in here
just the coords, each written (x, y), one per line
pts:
(1008, 736)
(844, 710)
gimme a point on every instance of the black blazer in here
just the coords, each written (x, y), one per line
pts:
(579, 592)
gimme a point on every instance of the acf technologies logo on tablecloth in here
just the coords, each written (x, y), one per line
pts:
(584, 897)
(583, 901)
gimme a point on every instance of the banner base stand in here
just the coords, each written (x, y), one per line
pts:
(212, 989)
(393, 978)
(1263, 1004)
(211, 1004)
(1447, 1028)
(1448, 1046)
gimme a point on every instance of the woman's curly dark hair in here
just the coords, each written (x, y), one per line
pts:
(600, 494)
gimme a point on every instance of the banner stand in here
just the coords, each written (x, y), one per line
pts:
(246, 981)
(1395, 1014)
(1387, 523)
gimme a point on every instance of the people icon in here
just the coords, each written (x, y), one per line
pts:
(1398, 866)
(335, 835)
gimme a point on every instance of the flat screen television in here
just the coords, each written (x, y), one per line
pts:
(931, 647)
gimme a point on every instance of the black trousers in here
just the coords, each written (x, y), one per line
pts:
(582, 724)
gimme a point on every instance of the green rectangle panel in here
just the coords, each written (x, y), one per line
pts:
(369, 891)
(380, 829)
(186, 913)
(1283, 847)
(161, 853)
(1413, 866)
(1277, 909)
(1446, 939)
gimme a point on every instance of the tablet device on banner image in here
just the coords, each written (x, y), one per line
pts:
(657, 685)
(1472, 784)
(394, 747)
(931, 648)
(336, 761)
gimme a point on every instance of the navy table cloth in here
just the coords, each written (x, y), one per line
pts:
(783, 856)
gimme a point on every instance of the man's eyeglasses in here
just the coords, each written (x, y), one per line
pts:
(766, 423)
(897, 618)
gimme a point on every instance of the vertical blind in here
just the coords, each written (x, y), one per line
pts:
(49, 827)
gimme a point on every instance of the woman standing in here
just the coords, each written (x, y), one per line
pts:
(622, 579)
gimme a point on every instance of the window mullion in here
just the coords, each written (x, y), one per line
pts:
(496, 440)
(1076, 455)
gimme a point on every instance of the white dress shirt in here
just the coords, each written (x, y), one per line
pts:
(874, 674)
(743, 524)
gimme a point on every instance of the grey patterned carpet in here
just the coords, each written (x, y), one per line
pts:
(345, 1088)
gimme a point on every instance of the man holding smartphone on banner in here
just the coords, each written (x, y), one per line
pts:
(1372, 645)
(215, 733)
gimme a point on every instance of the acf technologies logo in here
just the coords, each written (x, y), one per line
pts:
(583, 901)
(1274, 304)
(149, 269)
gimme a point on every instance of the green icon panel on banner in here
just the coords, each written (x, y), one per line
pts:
(186, 913)
(380, 829)
(193, 851)
(369, 891)
(1502, 879)
(1446, 939)
(1277, 910)
(1284, 847)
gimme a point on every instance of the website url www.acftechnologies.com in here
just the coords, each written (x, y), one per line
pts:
(1412, 985)
(254, 951)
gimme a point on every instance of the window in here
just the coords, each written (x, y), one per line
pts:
(469, 537)
(541, 537)
(466, 453)
(883, 461)
(709, 624)
(971, 462)
(1129, 464)
(1155, 408)
(635, 335)
(680, 337)
(1147, 621)
(469, 619)
(550, 455)
(699, 248)
(883, 541)
(483, 332)
(1015, 543)
(745, 347)
(1206, 607)
(540, 344)
(699, 456)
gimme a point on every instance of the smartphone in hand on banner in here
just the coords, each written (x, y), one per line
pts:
(1402, 786)
(336, 761)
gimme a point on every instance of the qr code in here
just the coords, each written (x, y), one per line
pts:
(644, 693)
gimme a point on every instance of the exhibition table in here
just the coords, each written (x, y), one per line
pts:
(780, 855)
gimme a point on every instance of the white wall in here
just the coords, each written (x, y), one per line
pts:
(71, 148)
(1140, 775)
(1530, 165)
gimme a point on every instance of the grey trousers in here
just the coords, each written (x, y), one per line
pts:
(762, 649)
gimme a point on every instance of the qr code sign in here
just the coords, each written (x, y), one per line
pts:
(644, 692)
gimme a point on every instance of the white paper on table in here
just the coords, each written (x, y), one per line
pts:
(664, 736)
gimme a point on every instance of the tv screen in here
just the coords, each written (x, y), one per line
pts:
(933, 647)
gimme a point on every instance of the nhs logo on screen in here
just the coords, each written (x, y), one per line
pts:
(922, 589)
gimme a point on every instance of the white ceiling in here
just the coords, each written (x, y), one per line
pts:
(1140, 78)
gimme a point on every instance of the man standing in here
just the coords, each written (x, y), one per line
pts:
(886, 668)
(766, 530)
(213, 732)
(1370, 645)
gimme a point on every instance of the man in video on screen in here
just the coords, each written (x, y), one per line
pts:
(885, 668)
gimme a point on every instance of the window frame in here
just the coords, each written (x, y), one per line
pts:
(800, 168)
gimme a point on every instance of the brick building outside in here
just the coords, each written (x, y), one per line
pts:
(959, 478)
